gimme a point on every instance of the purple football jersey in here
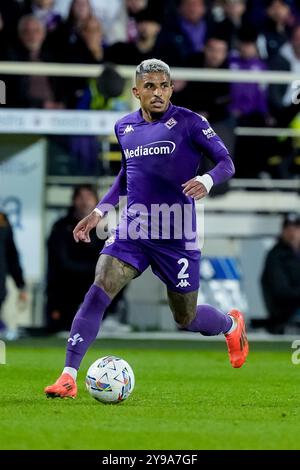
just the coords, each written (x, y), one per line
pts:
(157, 158)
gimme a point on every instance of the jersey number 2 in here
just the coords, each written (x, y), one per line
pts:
(182, 273)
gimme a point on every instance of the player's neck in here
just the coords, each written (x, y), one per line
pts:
(151, 117)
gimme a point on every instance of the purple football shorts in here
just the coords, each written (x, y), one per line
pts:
(178, 268)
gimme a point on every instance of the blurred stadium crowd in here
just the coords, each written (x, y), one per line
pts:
(221, 34)
(235, 35)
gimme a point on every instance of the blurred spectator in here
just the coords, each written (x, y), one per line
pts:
(280, 95)
(112, 15)
(68, 32)
(248, 104)
(37, 91)
(256, 13)
(83, 93)
(2, 39)
(44, 11)
(211, 99)
(276, 28)
(281, 276)
(71, 265)
(133, 7)
(88, 47)
(9, 263)
(284, 107)
(192, 22)
(189, 29)
(234, 21)
(247, 99)
(150, 42)
(117, 16)
(105, 93)
(10, 12)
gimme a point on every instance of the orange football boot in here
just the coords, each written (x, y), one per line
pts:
(237, 342)
(64, 387)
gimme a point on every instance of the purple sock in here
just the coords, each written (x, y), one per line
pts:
(86, 325)
(209, 321)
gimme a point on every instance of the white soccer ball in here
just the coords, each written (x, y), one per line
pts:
(110, 379)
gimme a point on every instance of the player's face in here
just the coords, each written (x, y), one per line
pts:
(154, 91)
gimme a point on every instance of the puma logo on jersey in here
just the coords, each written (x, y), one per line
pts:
(128, 129)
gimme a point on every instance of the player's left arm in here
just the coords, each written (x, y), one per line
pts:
(208, 142)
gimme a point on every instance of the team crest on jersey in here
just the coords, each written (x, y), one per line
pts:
(171, 123)
(128, 129)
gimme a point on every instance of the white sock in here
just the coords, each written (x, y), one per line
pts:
(71, 371)
(233, 327)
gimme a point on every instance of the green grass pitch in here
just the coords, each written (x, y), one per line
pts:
(187, 396)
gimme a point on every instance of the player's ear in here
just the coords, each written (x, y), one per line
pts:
(135, 92)
(172, 88)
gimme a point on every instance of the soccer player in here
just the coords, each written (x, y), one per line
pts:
(162, 147)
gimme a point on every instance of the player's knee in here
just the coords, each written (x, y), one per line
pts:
(183, 319)
(106, 283)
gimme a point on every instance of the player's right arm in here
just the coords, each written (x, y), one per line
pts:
(110, 199)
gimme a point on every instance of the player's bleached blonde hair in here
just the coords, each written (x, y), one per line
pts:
(152, 65)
